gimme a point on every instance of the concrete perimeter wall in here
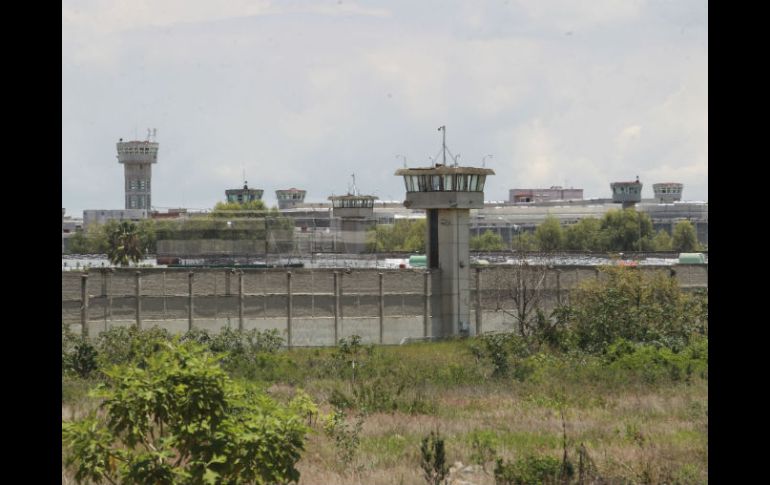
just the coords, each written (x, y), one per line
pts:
(306, 314)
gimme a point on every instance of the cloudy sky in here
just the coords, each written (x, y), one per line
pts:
(305, 93)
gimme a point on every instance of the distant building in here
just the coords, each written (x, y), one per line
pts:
(290, 198)
(627, 193)
(241, 196)
(102, 216)
(169, 214)
(137, 158)
(668, 192)
(523, 196)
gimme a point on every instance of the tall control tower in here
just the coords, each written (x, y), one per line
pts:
(137, 158)
(447, 193)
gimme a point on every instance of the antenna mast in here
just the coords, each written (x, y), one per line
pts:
(442, 129)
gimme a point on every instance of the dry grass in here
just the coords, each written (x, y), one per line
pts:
(633, 433)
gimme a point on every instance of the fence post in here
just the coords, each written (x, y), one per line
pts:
(478, 301)
(190, 277)
(342, 307)
(138, 300)
(105, 295)
(240, 300)
(426, 303)
(558, 287)
(84, 304)
(382, 307)
(336, 307)
(288, 309)
(227, 281)
(163, 287)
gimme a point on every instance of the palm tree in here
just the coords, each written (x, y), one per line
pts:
(124, 244)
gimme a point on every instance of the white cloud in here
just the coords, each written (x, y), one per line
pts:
(304, 93)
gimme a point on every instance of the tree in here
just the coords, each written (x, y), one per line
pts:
(519, 293)
(403, 235)
(626, 230)
(124, 244)
(636, 306)
(662, 241)
(524, 241)
(583, 235)
(549, 234)
(489, 241)
(685, 240)
(178, 418)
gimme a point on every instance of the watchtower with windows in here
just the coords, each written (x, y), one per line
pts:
(627, 193)
(244, 195)
(352, 216)
(290, 198)
(137, 158)
(447, 193)
(668, 192)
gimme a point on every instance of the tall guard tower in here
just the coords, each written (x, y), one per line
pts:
(447, 193)
(137, 158)
(352, 216)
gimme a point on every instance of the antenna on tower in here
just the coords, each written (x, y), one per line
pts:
(149, 132)
(154, 134)
(442, 128)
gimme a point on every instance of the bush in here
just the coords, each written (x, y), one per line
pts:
(180, 419)
(433, 458)
(530, 470)
(483, 446)
(498, 349)
(346, 436)
(632, 306)
(78, 355)
(124, 345)
(657, 362)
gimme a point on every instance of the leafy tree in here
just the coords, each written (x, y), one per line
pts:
(662, 241)
(403, 235)
(583, 235)
(180, 419)
(489, 241)
(549, 234)
(78, 243)
(626, 230)
(684, 239)
(124, 244)
(635, 306)
(524, 241)
(147, 238)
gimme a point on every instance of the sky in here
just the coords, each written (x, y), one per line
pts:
(305, 94)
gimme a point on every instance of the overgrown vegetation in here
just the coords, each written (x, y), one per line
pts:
(174, 416)
(612, 388)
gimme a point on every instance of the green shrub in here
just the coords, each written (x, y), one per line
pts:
(635, 306)
(346, 436)
(433, 458)
(78, 355)
(124, 345)
(655, 362)
(530, 470)
(180, 419)
(483, 446)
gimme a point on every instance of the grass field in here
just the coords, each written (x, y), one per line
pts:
(638, 420)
